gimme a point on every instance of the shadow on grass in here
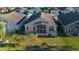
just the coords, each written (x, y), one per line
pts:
(45, 47)
(49, 48)
(43, 36)
(8, 45)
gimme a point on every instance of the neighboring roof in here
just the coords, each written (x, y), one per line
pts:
(13, 17)
(62, 8)
(77, 23)
(68, 18)
(45, 8)
(31, 11)
(44, 16)
(34, 10)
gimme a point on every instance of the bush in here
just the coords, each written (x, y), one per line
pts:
(0, 26)
(10, 33)
(26, 12)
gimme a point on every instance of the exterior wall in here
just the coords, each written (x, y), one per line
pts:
(30, 28)
(11, 27)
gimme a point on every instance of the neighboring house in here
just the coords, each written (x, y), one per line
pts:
(41, 24)
(13, 21)
(44, 9)
(7, 9)
(66, 9)
(54, 12)
(4, 10)
(70, 23)
(23, 10)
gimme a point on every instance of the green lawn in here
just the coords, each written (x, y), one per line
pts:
(32, 42)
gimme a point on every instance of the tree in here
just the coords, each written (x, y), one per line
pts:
(26, 12)
(1, 32)
(0, 26)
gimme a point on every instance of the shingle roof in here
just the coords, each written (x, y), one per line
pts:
(13, 17)
(62, 8)
(21, 20)
(33, 17)
(68, 18)
(77, 23)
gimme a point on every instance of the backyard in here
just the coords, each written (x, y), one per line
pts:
(35, 43)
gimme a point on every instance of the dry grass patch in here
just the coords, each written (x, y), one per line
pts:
(50, 41)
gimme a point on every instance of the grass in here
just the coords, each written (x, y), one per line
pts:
(66, 43)
(21, 42)
(71, 41)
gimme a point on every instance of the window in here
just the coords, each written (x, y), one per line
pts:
(51, 28)
(41, 29)
(66, 30)
(27, 27)
(71, 30)
(34, 28)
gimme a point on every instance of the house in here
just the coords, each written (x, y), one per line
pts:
(13, 21)
(41, 24)
(7, 9)
(70, 23)
(3, 10)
